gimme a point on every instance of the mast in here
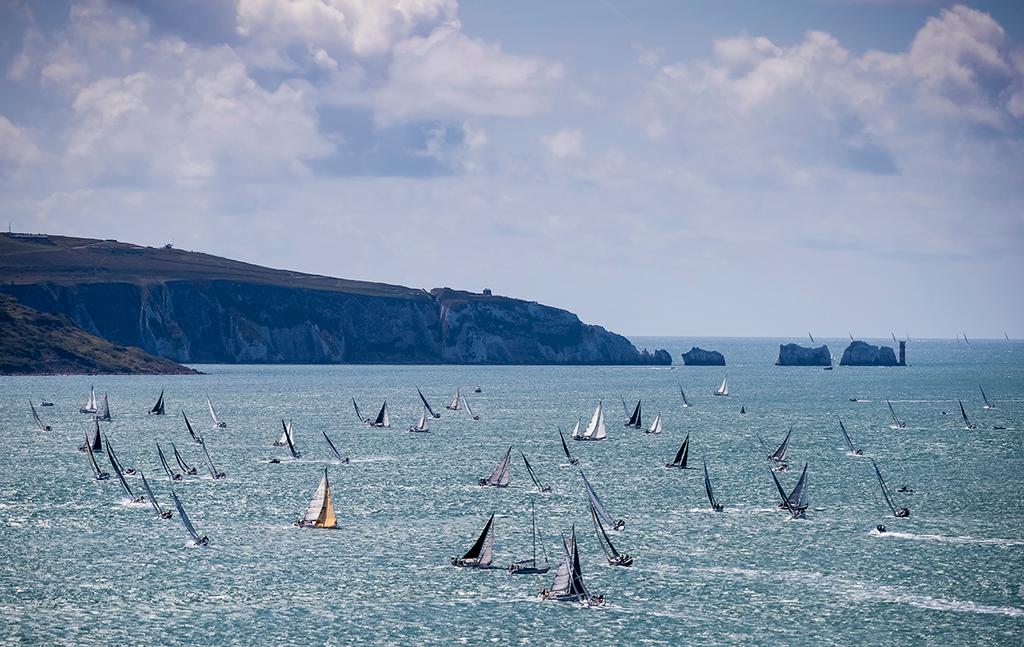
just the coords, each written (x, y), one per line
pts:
(812, 338)
(334, 449)
(565, 448)
(209, 464)
(684, 451)
(100, 476)
(596, 429)
(655, 427)
(595, 501)
(191, 432)
(849, 443)
(780, 454)
(635, 419)
(181, 461)
(529, 469)
(454, 404)
(988, 405)
(892, 412)
(213, 414)
(382, 419)
(686, 402)
(427, 404)
(291, 447)
(358, 415)
(885, 488)
(576, 435)
(149, 494)
(163, 462)
(320, 512)
(35, 416)
(963, 413)
(158, 408)
(481, 549)
(707, 488)
(602, 536)
(117, 469)
(104, 412)
(185, 521)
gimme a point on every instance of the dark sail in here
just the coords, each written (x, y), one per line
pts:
(707, 488)
(167, 469)
(478, 548)
(895, 419)
(683, 454)
(158, 408)
(963, 413)
(565, 448)
(117, 469)
(782, 493)
(334, 450)
(356, 407)
(602, 536)
(291, 446)
(191, 432)
(427, 404)
(849, 443)
(181, 462)
(887, 494)
(635, 419)
(780, 454)
(533, 476)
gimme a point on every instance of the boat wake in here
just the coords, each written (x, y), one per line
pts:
(950, 539)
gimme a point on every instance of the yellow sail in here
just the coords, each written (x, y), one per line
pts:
(326, 519)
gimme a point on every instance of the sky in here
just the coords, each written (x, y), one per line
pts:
(659, 167)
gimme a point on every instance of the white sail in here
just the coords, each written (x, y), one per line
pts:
(502, 471)
(90, 404)
(454, 404)
(563, 577)
(596, 429)
(422, 426)
(602, 512)
(316, 506)
(724, 388)
(576, 435)
(488, 552)
(286, 432)
(104, 411)
(655, 427)
(213, 414)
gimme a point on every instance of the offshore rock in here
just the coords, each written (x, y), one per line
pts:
(699, 357)
(861, 353)
(796, 355)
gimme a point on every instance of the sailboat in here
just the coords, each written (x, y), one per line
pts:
(533, 476)
(856, 451)
(478, 389)
(897, 423)
(686, 403)
(158, 408)
(469, 410)
(90, 404)
(625, 409)
(481, 553)
(214, 474)
(887, 494)
(724, 388)
(185, 468)
(568, 585)
(812, 338)
(39, 422)
(282, 440)
(320, 513)
(501, 474)
(382, 419)
(795, 501)
(191, 432)
(743, 410)
(967, 423)
(530, 566)
(635, 420)
(715, 505)
(893, 337)
(966, 341)
(681, 455)
(778, 457)
(358, 414)
(577, 430)
(426, 405)
(291, 445)
(167, 468)
(95, 444)
(217, 422)
(596, 429)
(334, 450)
(615, 558)
(104, 412)
(185, 521)
(656, 427)
(117, 471)
(99, 474)
(988, 405)
(602, 512)
(455, 404)
(163, 514)
(565, 448)
(421, 427)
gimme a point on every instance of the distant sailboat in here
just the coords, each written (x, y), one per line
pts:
(422, 427)
(743, 409)
(320, 512)
(715, 505)
(214, 473)
(456, 402)
(117, 471)
(682, 455)
(531, 566)
(469, 410)
(656, 426)
(533, 476)
(291, 445)
(96, 444)
(887, 494)
(897, 423)
(565, 448)
(481, 553)
(426, 404)
(966, 341)
(163, 514)
(217, 422)
(724, 388)
(596, 429)
(796, 501)
(191, 432)
(967, 423)
(185, 521)
(577, 430)
(602, 512)
(158, 408)
(568, 585)
(104, 412)
(812, 338)
(893, 337)
(478, 389)
(988, 405)
(334, 450)
(502, 471)
(383, 419)
(96, 471)
(615, 558)
(90, 404)
(849, 443)
(38, 421)
(778, 457)
(282, 440)
(625, 408)
(167, 468)
(185, 467)
(686, 403)
(635, 420)
(358, 414)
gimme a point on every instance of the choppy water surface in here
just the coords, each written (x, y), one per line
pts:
(79, 565)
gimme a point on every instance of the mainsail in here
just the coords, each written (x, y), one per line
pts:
(152, 499)
(686, 403)
(214, 474)
(100, 476)
(724, 388)
(422, 426)
(158, 408)
(454, 405)
(181, 462)
(967, 423)
(334, 450)
(846, 436)
(117, 470)
(90, 404)
(533, 476)
(481, 552)
(797, 499)
(887, 494)
(635, 420)
(285, 433)
(320, 513)
(565, 448)
(785, 497)
(167, 468)
(682, 455)
(779, 454)
(96, 443)
(469, 410)
(596, 429)
(602, 512)
(185, 521)
(896, 421)
(358, 415)
(382, 419)
(39, 422)
(577, 434)
(291, 446)
(613, 555)
(104, 412)
(656, 426)
(191, 432)
(213, 414)
(988, 405)
(502, 471)
(568, 585)
(426, 404)
(715, 505)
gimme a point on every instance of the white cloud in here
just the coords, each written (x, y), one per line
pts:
(564, 143)
(16, 147)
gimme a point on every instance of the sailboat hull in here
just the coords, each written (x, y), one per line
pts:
(621, 560)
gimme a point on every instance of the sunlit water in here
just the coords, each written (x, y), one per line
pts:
(78, 565)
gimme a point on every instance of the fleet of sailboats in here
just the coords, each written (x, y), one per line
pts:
(320, 512)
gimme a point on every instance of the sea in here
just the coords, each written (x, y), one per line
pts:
(80, 564)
